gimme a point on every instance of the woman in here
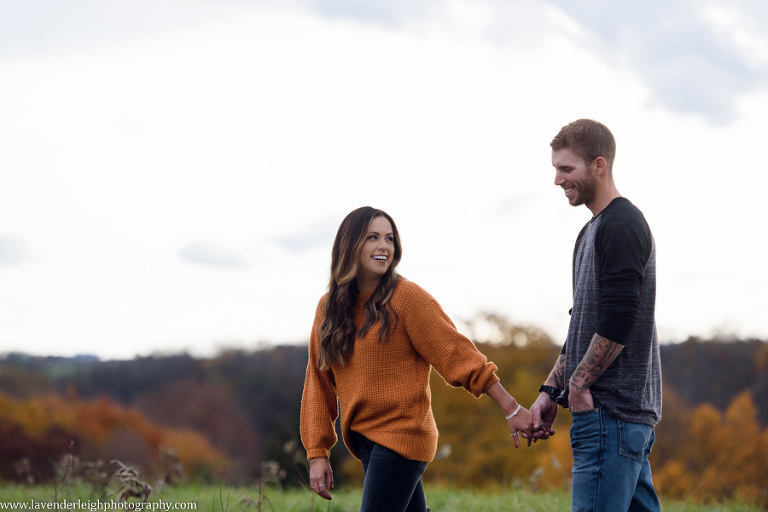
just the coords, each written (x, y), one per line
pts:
(374, 340)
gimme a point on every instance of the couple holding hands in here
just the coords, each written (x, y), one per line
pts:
(376, 336)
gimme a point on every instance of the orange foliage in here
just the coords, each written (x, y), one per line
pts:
(99, 429)
(718, 456)
(194, 456)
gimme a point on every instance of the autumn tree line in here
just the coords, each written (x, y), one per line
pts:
(235, 417)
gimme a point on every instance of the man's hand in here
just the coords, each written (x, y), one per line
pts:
(579, 399)
(544, 411)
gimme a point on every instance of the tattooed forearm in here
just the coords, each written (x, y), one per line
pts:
(557, 375)
(600, 354)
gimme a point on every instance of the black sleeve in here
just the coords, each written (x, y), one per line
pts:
(624, 245)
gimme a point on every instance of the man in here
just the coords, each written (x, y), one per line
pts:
(608, 373)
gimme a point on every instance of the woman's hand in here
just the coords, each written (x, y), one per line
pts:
(522, 422)
(321, 477)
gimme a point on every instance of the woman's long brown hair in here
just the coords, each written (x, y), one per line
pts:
(337, 330)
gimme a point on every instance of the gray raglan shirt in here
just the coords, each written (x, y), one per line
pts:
(614, 295)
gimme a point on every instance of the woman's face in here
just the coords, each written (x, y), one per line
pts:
(378, 250)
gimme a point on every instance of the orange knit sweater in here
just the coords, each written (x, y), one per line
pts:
(383, 389)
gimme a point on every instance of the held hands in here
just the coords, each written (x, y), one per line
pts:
(544, 411)
(321, 477)
(520, 419)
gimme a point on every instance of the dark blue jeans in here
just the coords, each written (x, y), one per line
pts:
(611, 472)
(392, 482)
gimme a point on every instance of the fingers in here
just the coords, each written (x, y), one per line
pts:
(531, 425)
(545, 431)
(526, 433)
(321, 479)
(526, 425)
(536, 416)
(522, 423)
(322, 491)
(329, 481)
(539, 427)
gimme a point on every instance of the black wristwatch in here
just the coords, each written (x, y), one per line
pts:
(552, 391)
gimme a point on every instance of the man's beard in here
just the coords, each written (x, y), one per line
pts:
(585, 191)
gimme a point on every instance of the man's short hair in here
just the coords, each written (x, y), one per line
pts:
(587, 138)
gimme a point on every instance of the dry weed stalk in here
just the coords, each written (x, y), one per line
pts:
(96, 475)
(171, 466)
(23, 469)
(130, 485)
(68, 467)
(271, 471)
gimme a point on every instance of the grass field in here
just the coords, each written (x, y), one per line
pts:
(215, 499)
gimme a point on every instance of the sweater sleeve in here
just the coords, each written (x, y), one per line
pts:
(623, 246)
(436, 339)
(319, 405)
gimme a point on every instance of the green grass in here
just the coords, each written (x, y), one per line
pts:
(440, 499)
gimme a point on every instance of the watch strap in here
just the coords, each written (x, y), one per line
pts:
(552, 391)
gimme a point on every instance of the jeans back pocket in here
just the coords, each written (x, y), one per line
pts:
(634, 439)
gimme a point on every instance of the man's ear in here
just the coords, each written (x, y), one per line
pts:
(601, 166)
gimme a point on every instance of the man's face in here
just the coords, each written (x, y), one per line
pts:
(574, 176)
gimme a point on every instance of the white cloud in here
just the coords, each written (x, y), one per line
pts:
(674, 50)
(243, 139)
(741, 29)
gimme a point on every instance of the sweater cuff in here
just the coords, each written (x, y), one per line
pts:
(491, 381)
(318, 452)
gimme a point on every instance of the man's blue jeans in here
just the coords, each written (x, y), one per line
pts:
(392, 482)
(611, 472)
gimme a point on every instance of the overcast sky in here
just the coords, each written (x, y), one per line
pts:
(172, 172)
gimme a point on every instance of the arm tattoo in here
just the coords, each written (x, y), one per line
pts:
(600, 354)
(557, 374)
